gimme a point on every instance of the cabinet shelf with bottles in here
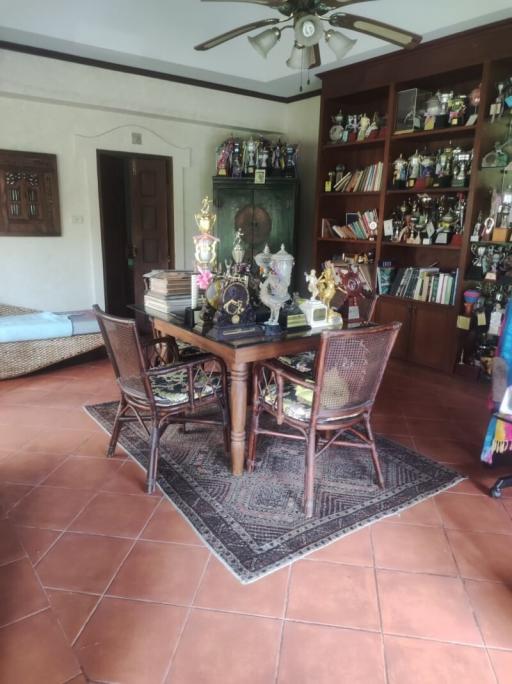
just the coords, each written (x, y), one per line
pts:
(458, 76)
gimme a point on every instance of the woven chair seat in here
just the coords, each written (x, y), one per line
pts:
(302, 363)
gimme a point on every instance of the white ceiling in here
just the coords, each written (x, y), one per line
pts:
(160, 34)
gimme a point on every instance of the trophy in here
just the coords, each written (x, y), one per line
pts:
(364, 124)
(413, 169)
(236, 160)
(457, 110)
(433, 111)
(326, 285)
(399, 172)
(314, 311)
(336, 130)
(444, 168)
(274, 287)
(205, 245)
(461, 166)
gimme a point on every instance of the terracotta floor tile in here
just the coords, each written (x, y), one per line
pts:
(82, 562)
(476, 514)
(168, 573)
(72, 610)
(421, 427)
(423, 513)
(96, 445)
(129, 479)
(20, 592)
(220, 590)
(502, 663)
(324, 655)
(354, 549)
(56, 441)
(50, 507)
(129, 641)
(167, 524)
(28, 468)
(66, 398)
(417, 661)
(83, 473)
(412, 548)
(404, 440)
(66, 418)
(333, 594)
(427, 606)
(507, 505)
(24, 396)
(10, 547)
(447, 450)
(203, 658)
(492, 602)
(11, 493)
(118, 515)
(482, 555)
(14, 432)
(36, 541)
(396, 425)
(35, 651)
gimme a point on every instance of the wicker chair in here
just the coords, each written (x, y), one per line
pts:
(163, 394)
(304, 362)
(340, 396)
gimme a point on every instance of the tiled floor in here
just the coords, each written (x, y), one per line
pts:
(101, 583)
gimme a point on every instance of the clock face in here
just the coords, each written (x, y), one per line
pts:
(234, 301)
(336, 133)
(308, 29)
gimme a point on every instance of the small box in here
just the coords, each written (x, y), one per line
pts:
(500, 235)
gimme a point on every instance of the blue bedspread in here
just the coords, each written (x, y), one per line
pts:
(34, 326)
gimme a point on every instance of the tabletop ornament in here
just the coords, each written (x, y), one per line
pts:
(237, 158)
(275, 283)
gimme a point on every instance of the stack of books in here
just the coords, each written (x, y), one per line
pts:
(422, 284)
(362, 227)
(168, 291)
(362, 180)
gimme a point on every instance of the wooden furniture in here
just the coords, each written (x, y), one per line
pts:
(162, 395)
(238, 355)
(428, 335)
(266, 214)
(29, 194)
(348, 372)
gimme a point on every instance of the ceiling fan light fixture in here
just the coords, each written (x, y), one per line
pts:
(308, 30)
(265, 41)
(339, 43)
(301, 57)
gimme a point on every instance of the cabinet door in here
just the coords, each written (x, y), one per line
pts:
(275, 226)
(234, 208)
(391, 309)
(432, 335)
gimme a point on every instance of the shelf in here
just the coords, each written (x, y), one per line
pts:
(390, 243)
(418, 302)
(350, 194)
(489, 242)
(450, 132)
(355, 144)
(351, 240)
(428, 191)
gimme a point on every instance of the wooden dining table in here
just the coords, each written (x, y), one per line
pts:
(238, 354)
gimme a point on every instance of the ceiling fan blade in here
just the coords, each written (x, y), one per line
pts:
(328, 5)
(318, 60)
(218, 40)
(268, 3)
(391, 34)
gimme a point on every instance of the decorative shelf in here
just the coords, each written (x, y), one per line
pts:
(416, 302)
(350, 194)
(357, 143)
(428, 191)
(391, 243)
(351, 240)
(450, 132)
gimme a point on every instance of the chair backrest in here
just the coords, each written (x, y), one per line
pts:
(350, 366)
(125, 352)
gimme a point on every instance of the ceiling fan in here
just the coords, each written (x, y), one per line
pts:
(306, 18)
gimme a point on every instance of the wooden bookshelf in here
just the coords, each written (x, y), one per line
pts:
(460, 62)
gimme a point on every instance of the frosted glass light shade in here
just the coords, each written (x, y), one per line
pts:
(301, 57)
(265, 41)
(339, 43)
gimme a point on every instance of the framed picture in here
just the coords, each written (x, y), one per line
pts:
(259, 176)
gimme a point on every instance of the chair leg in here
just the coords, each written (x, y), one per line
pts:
(375, 455)
(255, 420)
(117, 428)
(309, 475)
(153, 458)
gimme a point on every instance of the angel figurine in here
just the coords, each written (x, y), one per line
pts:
(312, 281)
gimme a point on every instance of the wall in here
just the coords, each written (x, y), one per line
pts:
(73, 110)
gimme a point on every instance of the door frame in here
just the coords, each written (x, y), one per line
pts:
(127, 156)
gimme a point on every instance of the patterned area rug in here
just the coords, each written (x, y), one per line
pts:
(255, 523)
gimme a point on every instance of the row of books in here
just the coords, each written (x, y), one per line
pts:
(362, 226)
(421, 284)
(362, 180)
(168, 291)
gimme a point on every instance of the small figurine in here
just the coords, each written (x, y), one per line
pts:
(399, 172)
(326, 285)
(312, 281)
(364, 124)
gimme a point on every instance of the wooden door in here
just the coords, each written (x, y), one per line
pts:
(432, 333)
(391, 309)
(150, 190)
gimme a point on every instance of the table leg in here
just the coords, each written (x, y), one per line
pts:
(238, 402)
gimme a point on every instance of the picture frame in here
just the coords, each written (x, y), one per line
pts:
(259, 176)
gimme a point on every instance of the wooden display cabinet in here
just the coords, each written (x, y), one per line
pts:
(459, 63)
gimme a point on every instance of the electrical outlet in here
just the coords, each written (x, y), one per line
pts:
(136, 138)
